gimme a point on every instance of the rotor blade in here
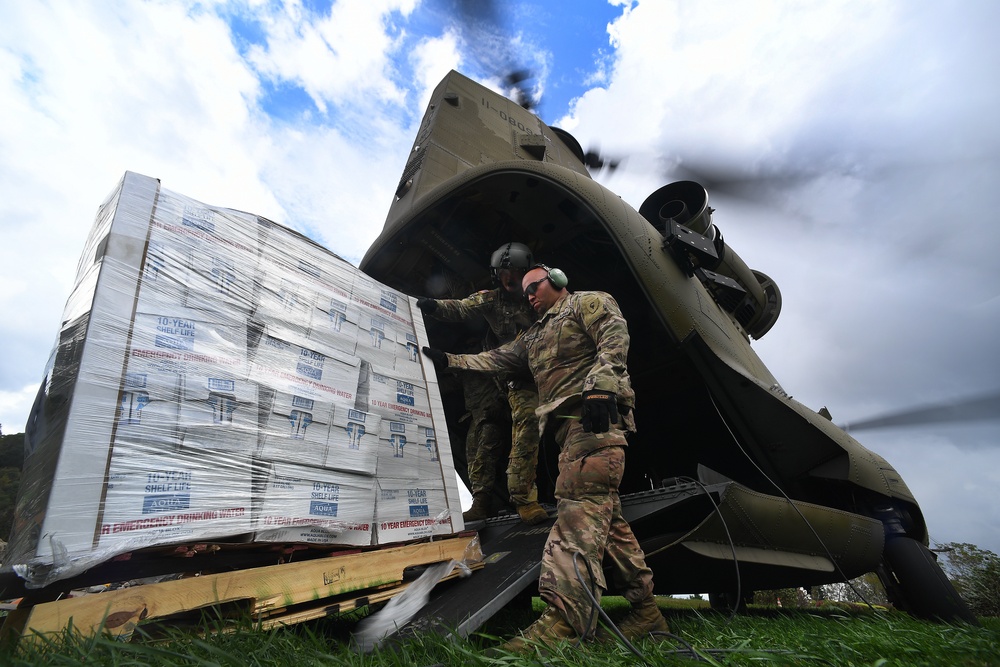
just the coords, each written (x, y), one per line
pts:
(483, 26)
(742, 182)
(968, 409)
(595, 160)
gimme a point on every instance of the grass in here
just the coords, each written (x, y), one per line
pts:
(770, 636)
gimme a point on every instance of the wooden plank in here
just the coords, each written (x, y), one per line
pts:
(271, 587)
(330, 607)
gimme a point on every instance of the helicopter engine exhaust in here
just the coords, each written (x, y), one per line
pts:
(756, 302)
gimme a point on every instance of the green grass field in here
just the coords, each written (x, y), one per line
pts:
(829, 635)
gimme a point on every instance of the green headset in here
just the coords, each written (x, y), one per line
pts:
(556, 276)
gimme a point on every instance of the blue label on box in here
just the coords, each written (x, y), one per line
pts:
(301, 402)
(419, 510)
(216, 384)
(387, 300)
(322, 509)
(309, 371)
(175, 342)
(403, 399)
(166, 502)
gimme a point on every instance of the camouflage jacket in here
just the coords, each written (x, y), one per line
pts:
(580, 343)
(507, 317)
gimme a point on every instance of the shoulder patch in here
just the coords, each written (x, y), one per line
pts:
(591, 308)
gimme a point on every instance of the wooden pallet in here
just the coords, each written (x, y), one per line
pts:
(274, 595)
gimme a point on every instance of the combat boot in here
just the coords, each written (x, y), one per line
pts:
(532, 513)
(548, 630)
(644, 618)
(480, 509)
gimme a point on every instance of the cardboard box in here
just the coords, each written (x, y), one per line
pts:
(183, 317)
(408, 451)
(407, 509)
(218, 411)
(182, 336)
(148, 408)
(156, 498)
(220, 281)
(296, 427)
(284, 303)
(396, 398)
(316, 506)
(335, 322)
(288, 365)
(354, 440)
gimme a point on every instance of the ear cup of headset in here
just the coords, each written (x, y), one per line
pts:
(558, 278)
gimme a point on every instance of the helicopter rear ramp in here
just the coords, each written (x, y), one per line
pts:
(512, 551)
(684, 527)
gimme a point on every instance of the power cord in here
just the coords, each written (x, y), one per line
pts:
(732, 547)
(687, 650)
(790, 502)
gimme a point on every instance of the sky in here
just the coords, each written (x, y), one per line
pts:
(861, 136)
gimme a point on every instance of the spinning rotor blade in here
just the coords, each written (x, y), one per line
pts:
(595, 160)
(969, 409)
(481, 24)
(749, 184)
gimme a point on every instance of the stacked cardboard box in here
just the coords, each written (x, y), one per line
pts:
(219, 377)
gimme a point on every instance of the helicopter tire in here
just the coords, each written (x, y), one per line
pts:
(926, 591)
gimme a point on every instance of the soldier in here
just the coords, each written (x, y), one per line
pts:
(507, 314)
(577, 352)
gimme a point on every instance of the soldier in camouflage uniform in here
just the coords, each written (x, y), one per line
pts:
(577, 352)
(507, 314)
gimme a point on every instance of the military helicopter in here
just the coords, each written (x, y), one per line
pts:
(731, 485)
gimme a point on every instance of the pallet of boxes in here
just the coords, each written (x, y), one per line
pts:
(228, 399)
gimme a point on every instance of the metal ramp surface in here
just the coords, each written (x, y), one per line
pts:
(512, 554)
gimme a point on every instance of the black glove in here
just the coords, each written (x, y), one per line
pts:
(599, 412)
(427, 305)
(439, 358)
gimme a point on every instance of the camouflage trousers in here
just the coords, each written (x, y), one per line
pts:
(486, 441)
(589, 522)
(524, 445)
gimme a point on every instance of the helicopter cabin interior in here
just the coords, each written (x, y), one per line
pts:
(444, 253)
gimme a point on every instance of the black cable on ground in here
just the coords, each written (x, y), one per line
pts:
(790, 502)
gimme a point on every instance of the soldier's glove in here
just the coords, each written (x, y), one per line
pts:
(599, 412)
(439, 357)
(427, 305)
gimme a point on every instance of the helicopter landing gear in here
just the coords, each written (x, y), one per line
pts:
(916, 583)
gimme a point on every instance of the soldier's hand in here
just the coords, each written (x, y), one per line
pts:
(599, 412)
(427, 305)
(439, 357)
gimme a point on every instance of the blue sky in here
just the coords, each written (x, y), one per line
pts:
(577, 31)
(883, 244)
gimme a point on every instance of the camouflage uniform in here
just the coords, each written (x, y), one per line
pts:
(484, 442)
(578, 344)
(506, 317)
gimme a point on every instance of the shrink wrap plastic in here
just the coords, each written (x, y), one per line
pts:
(220, 378)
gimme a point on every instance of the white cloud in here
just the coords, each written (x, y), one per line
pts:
(883, 253)
(432, 59)
(885, 261)
(90, 91)
(339, 59)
